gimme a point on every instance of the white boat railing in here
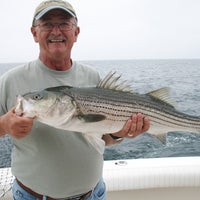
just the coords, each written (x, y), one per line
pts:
(152, 173)
(169, 176)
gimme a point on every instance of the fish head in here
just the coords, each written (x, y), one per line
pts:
(54, 108)
(35, 104)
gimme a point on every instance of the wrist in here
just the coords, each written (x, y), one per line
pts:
(116, 138)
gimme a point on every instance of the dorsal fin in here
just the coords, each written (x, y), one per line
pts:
(112, 81)
(163, 94)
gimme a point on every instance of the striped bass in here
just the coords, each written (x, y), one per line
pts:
(105, 108)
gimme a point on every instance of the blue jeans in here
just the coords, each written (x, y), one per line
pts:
(99, 192)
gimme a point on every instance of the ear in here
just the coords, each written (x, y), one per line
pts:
(77, 31)
(34, 33)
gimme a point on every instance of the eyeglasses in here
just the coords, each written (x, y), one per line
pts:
(64, 26)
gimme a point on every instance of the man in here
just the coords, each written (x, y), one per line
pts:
(49, 163)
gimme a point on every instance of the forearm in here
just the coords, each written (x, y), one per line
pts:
(110, 141)
(2, 131)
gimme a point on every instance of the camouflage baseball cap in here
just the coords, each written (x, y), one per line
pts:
(48, 5)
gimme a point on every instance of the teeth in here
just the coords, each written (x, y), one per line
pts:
(56, 40)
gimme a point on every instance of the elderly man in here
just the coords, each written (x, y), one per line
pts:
(49, 163)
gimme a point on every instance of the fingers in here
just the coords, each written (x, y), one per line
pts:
(139, 124)
(17, 126)
(23, 127)
(134, 126)
(146, 124)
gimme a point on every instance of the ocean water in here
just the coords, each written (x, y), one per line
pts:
(182, 76)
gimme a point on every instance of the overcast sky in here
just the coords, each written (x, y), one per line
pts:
(110, 29)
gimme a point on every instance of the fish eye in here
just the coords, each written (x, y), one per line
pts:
(37, 97)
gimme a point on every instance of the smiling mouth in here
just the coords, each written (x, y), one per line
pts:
(56, 41)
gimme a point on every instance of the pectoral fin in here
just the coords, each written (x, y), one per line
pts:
(92, 117)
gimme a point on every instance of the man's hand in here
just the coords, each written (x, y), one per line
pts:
(134, 126)
(14, 125)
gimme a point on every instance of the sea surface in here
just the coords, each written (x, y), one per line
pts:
(182, 76)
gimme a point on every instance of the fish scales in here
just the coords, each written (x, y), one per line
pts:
(97, 102)
(118, 104)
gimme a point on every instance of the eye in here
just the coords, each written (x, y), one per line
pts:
(65, 24)
(37, 96)
(47, 25)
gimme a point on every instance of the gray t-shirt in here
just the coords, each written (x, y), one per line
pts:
(51, 161)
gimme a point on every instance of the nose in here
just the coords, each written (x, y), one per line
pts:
(56, 29)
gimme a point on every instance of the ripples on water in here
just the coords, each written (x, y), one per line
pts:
(182, 76)
(146, 146)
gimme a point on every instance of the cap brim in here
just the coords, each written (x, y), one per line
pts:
(44, 11)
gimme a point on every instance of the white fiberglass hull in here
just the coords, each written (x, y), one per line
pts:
(176, 178)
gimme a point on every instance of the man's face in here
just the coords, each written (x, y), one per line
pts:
(56, 33)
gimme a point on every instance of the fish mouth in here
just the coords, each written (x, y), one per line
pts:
(19, 107)
(22, 109)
